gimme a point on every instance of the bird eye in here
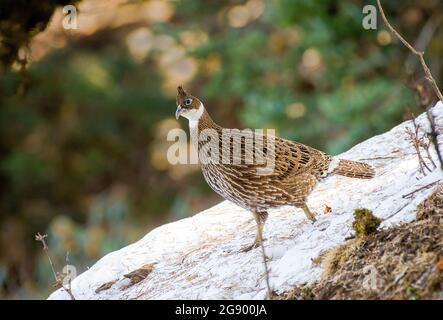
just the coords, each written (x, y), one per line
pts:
(188, 102)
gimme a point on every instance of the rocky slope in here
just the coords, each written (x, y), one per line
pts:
(199, 257)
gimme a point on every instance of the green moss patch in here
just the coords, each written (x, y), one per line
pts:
(365, 223)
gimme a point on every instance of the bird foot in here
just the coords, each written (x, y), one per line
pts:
(254, 245)
(250, 247)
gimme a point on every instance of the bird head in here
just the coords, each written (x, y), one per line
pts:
(188, 106)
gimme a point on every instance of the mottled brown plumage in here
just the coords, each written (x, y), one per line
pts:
(297, 167)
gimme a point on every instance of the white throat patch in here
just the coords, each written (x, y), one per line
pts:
(194, 115)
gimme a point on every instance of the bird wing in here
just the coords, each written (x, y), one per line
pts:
(291, 158)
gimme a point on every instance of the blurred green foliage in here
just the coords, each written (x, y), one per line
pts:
(81, 126)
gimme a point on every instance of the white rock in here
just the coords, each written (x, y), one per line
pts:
(199, 257)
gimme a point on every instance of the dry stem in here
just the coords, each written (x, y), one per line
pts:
(265, 263)
(418, 142)
(429, 77)
(58, 280)
(419, 54)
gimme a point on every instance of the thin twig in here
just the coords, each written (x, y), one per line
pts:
(419, 54)
(393, 214)
(429, 78)
(378, 158)
(425, 146)
(417, 142)
(41, 238)
(58, 280)
(419, 189)
(69, 290)
(265, 263)
(434, 135)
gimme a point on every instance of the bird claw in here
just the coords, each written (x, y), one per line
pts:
(254, 245)
(250, 247)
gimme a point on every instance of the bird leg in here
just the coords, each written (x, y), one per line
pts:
(260, 218)
(257, 241)
(308, 213)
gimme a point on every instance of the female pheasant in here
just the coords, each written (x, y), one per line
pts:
(232, 168)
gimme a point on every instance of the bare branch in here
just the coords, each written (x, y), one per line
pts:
(58, 280)
(425, 145)
(417, 142)
(428, 76)
(408, 195)
(419, 54)
(41, 238)
(434, 135)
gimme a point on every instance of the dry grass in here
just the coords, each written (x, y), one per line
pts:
(405, 262)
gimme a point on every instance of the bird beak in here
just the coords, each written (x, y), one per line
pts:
(178, 112)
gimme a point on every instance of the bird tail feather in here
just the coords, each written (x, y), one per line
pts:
(354, 169)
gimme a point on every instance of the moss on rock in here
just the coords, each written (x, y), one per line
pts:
(365, 223)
